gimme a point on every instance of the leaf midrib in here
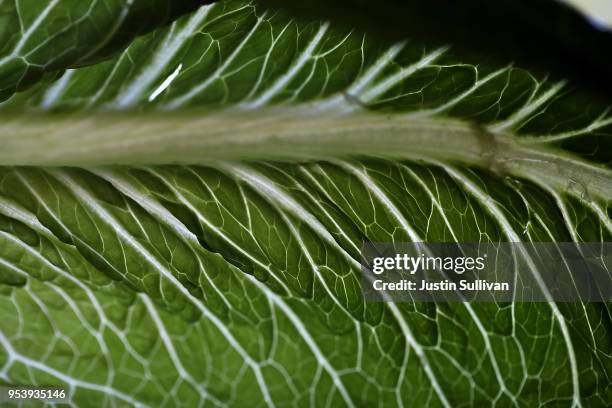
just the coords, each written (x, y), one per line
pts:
(196, 138)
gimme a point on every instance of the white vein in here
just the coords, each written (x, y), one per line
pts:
(273, 193)
(165, 84)
(389, 82)
(531, 106)
(31, 29)
(167, 341)
(411, 340)
(490, 206)
(365, 78)
(89, 201)
(462, 96)
(266, 60)
(183, 99)
(165, 53)
(56, 90)
(340, 230)
(14, 355)
(14, 211)
(185, 234)
(121, 183)
(282, 81)
(217, 230)
(417, 238)
(600, 122)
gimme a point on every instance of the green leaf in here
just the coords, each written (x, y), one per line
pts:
(541, 35)
(219, 262)
(40, 38)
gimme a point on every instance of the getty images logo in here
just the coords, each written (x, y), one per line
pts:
(413, 264)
